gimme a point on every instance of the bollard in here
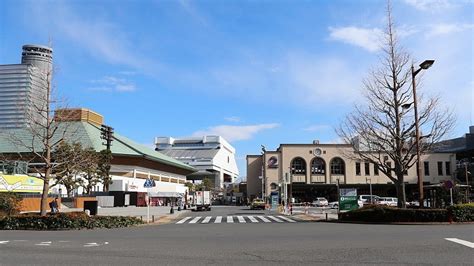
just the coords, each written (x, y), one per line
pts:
(153, 218)
(141, 218)
(326, 216)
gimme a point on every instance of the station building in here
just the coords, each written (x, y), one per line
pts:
(315, 170)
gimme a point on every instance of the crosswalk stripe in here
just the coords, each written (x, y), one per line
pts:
(252, 219)
(230, 219)
(193, 221)
(218, 220)
(265, 220)
(184, 220)
(241, 219)
(206, 220)
(286, 219)
(275, 219)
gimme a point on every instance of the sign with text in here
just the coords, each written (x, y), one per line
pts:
(348, 199)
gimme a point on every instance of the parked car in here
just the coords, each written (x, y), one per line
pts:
(333, 204)
(257, 204)
(320, 202)
(388, 201)
(366, 199)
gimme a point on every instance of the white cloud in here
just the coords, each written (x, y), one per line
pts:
(235, 133)
(313, 128)
(113, 84)
(233, 119)
(97, 35)
(446, 28)
(369, 39)
(432, 5)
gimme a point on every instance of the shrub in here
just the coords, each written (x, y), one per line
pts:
(383, 214)
(64, 221)
(10, 204)
(462, 212)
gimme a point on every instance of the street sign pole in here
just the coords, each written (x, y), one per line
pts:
(148, 206)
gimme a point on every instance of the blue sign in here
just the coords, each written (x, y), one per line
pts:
(149, 183)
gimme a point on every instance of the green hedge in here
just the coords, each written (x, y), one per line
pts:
(462, 212)
(383, 214)
(65, 221)
(9, 203)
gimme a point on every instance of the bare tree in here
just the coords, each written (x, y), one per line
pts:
(43, 132)
(382, 129)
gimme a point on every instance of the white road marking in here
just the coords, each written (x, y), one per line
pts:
(241, 219)
(206, 220)
(252, 219)
(91, 245)
(46, 243)
(193, 221)
(106, 243)
(4, 242)
(286, 219)
(230, 219)
(265, 220)
(462, 242)
(184, 220)
(218, 220)
(275, 219)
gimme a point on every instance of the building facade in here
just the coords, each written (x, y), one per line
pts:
(212, 156)
(23, 87)
(132, 164)
(315, 170)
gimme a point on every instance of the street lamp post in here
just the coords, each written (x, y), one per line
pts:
(425, 65)
(370, 187)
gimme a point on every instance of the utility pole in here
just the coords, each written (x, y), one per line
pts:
(107, 134)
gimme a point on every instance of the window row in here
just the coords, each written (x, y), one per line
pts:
(366, 169)
(318, 166)
(440, 168)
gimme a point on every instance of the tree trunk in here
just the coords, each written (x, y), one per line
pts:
(401, 195)
(44, 196)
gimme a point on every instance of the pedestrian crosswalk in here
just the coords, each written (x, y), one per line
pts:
(242, 219)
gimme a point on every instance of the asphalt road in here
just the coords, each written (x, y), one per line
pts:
(273, 243)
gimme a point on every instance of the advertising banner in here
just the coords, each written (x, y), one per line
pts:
(20, 183)
(348, 199)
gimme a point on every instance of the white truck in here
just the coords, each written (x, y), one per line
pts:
(202, 200)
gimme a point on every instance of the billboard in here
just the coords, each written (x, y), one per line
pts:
(20, 183)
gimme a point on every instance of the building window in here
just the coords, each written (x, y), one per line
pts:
(376, 170)
(318, 166)
(357, 168)
(440, 168)
(337, 167)
(298, 166)
(448, 168)
(367, 168)
(427, 168)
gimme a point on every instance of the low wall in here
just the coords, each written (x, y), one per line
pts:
(33, 204)
(79, 201)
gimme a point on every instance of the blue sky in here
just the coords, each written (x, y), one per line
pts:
(256, 72)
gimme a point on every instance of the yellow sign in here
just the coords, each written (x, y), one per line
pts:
(20, 183)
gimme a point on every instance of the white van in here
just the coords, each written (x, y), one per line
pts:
(366, 199)
(388, 201)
